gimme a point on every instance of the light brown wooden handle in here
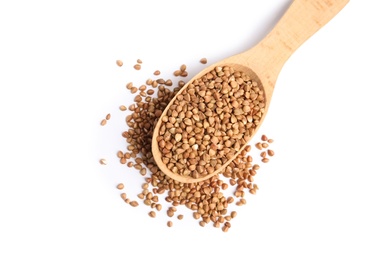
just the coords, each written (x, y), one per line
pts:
(302, 19)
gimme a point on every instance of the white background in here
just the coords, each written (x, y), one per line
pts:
(324, 195)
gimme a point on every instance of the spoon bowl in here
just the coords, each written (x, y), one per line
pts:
(263, 63)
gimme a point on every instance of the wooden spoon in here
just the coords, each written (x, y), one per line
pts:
(264, 61)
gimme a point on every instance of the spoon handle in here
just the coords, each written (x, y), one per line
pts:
(302, 19)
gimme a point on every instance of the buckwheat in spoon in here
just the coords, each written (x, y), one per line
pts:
(212, 118)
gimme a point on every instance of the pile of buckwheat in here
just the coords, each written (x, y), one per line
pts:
(210, 121)
(223, 116)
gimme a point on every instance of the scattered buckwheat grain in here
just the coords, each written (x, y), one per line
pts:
(119, 63)
(103, 161)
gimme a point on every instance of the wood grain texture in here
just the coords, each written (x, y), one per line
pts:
(264, 61)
